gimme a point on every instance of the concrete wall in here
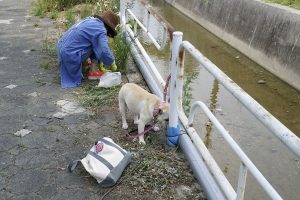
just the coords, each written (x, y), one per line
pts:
(267, 33)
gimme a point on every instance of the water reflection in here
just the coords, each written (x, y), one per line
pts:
(212, 108)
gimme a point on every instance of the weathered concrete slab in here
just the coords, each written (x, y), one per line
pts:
(269, 34)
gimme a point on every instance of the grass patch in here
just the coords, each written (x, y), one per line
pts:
(86, 11)
(49, 59)
(45, 64)
(40, 81)
(40, 8)
(54, 14)
(70, 18)
(94, 98)
(49, 48)
(290, 3)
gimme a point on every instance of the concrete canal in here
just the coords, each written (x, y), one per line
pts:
(277, 164)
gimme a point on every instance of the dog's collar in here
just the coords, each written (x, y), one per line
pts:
(157, 109)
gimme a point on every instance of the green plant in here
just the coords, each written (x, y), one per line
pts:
(54, 14)
(187, 92)
(85, 11)
(49, 54)
(40, 8)
(70, 19)
(115, 5)
(49, 48)
(93, 97)
(121, 51)
(45, 64)
(290, 3)
(40, 81)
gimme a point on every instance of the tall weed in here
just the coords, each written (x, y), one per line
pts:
(121, 51)
(70, 18)
(187, 92)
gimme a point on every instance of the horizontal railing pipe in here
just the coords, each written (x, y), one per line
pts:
(151, 65)
(269, 121)
(146, 31)
(235, 147)
(200, 171)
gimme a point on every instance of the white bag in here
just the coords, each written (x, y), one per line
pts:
(110, 79)
(105, 162)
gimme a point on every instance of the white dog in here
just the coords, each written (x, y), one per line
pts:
(143, 105)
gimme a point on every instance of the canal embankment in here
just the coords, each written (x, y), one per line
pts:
(269, 34)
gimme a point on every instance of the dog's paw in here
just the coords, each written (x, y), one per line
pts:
(142, 142)
(125, 126)
(156, 128)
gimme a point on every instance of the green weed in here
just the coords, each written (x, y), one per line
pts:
(290, 3)
(54, 14)
(49, 48)
(45, 64)
(40, 81)
(121, 51)
(187, 92)
(93, 97)
(40, 8)
(85, 11)
(70, 18)
(49, 54)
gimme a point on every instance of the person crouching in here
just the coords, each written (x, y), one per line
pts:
(86, 39)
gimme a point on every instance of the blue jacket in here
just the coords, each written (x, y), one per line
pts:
(77, 44)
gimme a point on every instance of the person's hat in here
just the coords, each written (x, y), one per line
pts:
(111, 20)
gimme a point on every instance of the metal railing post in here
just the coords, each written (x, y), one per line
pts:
(267, 187)
(173, 128)
(122, 14)
(240, 191)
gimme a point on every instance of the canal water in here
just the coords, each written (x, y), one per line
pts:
(280, 167)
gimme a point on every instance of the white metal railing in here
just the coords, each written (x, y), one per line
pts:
(176, 85)
(276, 127)
(246, 163)
(133, 35)
(286, 136)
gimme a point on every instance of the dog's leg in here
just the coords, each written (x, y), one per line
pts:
(122, 108)
(136, 119)
(141, 128)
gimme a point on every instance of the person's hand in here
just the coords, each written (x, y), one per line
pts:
(102, 68)
(114, 67)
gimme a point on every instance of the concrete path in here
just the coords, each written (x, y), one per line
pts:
(36, 147)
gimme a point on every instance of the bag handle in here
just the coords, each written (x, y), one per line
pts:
(73, 164)
(101, 159)
(113, 145)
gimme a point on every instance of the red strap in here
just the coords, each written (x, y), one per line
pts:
(131, 137)
(166, 87)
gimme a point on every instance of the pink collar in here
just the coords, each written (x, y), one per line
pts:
(157, 109)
